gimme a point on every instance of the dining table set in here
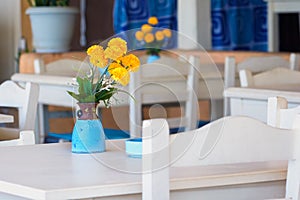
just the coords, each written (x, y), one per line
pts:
(53, 172)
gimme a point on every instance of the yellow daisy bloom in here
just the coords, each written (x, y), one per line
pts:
(97, 56)
(159, 35)
(131, 62)
(146, 28)
(92, 49)
(116, 48)
(119, 73)
(118, 43)
(139, 35)
(149, 37)
(152, 20)
(167, 32)
(113, 53)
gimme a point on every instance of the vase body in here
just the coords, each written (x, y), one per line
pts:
(152, 58)
(52, 28)
(88, 134)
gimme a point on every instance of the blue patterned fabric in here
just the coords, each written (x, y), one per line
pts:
(132, 14)
(239, 25)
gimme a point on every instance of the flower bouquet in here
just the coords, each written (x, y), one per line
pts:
(95, 87)
(116, 67)
(152, 37)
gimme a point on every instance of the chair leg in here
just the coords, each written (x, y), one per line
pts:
(41, 123)
(216, 109)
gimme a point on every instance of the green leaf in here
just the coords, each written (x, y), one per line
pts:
(88, 99)
(85, 87)
(75, 96)
(105, 95)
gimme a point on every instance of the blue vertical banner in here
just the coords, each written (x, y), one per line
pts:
(132, 14)
(239, 25)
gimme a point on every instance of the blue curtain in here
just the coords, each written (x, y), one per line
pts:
(132, 14)
(239, 25)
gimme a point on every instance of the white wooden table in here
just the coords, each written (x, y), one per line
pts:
(51, 171)
(6, 118)
(253, 101)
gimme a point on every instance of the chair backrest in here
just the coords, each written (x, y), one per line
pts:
(251, 66)
(229, 140)
(165, 81)
(270, 79)
(62, 67)
(24, 99)
(25, 138)
(279, 115)
(256, 65)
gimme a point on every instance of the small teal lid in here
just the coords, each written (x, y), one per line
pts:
(134, 147)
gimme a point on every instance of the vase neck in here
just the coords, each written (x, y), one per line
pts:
(87, 111)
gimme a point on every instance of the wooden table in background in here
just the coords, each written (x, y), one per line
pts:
(253, 101)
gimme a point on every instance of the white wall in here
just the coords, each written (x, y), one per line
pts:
(204, 23)
(10, 29)
(194, 22)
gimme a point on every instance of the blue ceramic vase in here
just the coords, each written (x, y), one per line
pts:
(88, 134)
(152, 58)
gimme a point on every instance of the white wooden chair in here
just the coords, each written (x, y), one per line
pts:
(25, 100)
(275, 78)
(165, 81)
(255, 65)
(229, 140)
(61, 67)
(64, 68)
(279, 115)
(25, 138)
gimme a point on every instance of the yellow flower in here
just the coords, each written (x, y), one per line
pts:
(103, 86)
(97, 56)
(116, 48)
(92, 49)
(118, 42)
(139, 35)
(167, 32)
(153, 20)
(146, 28)
(113, 53)
(159, 35)
(119, 73)
(131, 62)
(149, 37)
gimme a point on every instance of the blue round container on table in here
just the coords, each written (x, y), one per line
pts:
(134, 147)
